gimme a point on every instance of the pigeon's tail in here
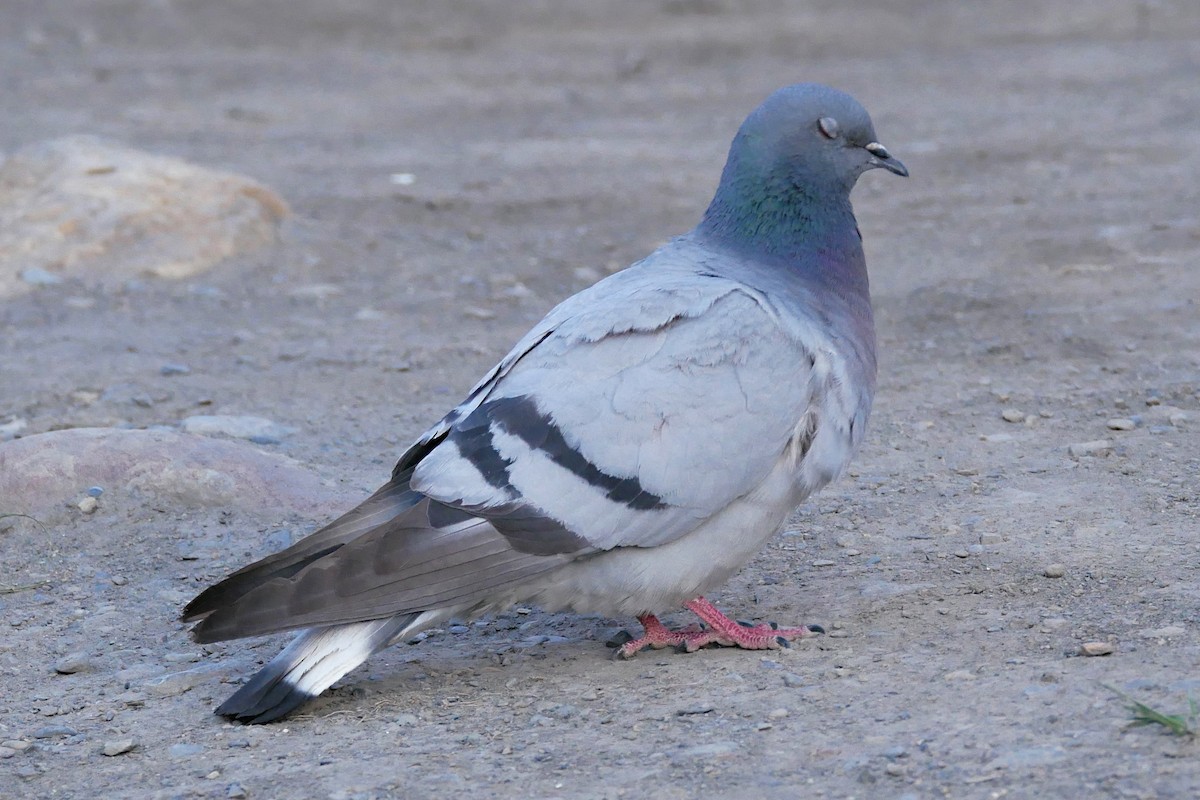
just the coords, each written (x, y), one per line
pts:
(312, 663)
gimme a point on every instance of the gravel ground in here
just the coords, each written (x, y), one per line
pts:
(1028, 493)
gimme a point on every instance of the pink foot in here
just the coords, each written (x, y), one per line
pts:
(721, 631)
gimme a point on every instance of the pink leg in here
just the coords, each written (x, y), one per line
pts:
(721, 631)
(656, 636)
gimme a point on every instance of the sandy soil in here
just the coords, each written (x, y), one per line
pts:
(1041, 264)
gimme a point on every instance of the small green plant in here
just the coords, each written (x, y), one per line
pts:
(25, 516)
(1185, 724)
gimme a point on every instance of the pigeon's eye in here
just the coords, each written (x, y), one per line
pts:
(828, 127)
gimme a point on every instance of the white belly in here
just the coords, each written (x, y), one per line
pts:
(636, 580)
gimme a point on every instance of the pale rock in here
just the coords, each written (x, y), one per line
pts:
(81, 207)
(255, 429)
(39, 473)
(1168, 632)
(116, 747)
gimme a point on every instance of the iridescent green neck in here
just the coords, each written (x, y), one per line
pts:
(786, 221)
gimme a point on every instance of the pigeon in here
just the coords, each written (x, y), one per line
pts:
(636, 448)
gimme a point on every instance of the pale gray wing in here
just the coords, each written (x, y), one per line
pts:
(628, 419)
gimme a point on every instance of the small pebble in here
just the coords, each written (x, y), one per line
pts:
(174, 369)
(19, 745)
(88, 505)
(115, 747)
(185, 750)
(54, 732)
(119, 580)
(72, 663)
(176, 683)
(36, 276)
(961, 554)
(1054, 571)
(1012, 415)
(1098, 447)
(235, 790)
(1097, 649)
(990, 539)
(777, 713)
(694, 710)
(7, 752)
(10, 429)
(823, 562)
(95, 491)
(1121, 424)
(792, 681)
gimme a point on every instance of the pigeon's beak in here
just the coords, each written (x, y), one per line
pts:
(880, 157)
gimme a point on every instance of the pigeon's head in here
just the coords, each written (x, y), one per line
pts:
(786, 186)
(812, 135)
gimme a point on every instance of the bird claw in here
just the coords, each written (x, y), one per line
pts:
(716, 630)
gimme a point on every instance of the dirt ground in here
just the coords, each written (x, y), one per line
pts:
(1040, 266)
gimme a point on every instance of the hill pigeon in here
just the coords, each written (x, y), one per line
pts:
(634, 449)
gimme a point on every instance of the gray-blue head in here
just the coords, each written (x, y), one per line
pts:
(792, 165)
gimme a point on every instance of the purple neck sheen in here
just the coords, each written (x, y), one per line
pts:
(789, 220)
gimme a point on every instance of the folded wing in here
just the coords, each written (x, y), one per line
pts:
(630, 415)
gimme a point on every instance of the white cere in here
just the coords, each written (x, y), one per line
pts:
(877, 150)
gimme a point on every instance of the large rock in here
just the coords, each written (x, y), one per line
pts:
(47, 475)
(82, 207)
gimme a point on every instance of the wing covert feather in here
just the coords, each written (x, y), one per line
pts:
(633, 419)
